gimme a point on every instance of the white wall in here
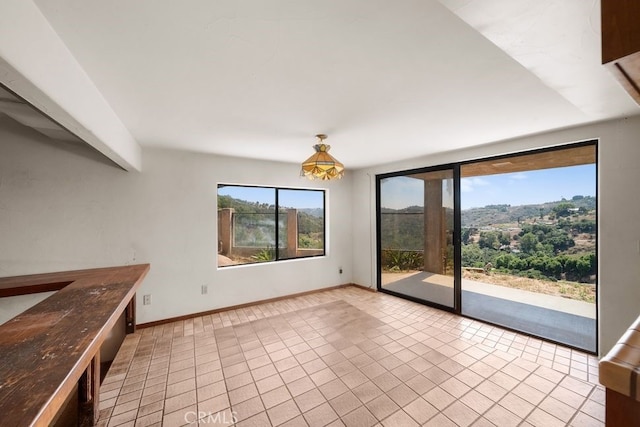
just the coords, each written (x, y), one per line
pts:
(62, 210)
(619, 209)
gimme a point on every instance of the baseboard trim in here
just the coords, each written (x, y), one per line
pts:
(249, 304)
(366, 288)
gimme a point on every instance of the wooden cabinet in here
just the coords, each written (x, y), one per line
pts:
(621, 42)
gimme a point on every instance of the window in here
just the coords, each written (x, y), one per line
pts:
(262, 224)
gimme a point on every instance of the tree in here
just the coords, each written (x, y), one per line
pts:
(529, 243)
(504, 238)
(489, 239)
(467, 233)
(559, 240)
(563, 209)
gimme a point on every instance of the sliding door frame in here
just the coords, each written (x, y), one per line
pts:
(457, 253)
(457, 241)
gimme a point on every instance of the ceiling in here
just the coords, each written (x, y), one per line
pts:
(386, 80)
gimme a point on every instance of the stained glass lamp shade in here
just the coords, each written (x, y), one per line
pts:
(322, 165)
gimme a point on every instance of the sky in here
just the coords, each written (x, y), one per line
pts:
(520, 188)
(300, 199)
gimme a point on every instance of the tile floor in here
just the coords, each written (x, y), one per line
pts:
(346, 357)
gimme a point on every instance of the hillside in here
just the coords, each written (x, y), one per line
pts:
(255, 222)
(502, 214)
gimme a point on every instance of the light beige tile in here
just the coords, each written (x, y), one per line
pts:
(455, 387)
(477, 401)
(528, 393)
(286, 364)
(266, 384)
(581, 387)
(180, 417)
(323, 376)
(149, 420)
(420, 384)
(333, 388)
(343, 368)
(275, 397)
(594, 409)
(367, 392)
(151, 398)
(438, 398)
(283, 412)
(181, 387)
(502, 417)
(402, 395)
(280, 354)
(248, 409)
(293, 374)
(584, 420)
(421, 410)
(345, 403)
(309, 400)
(301, 385)
(557, 408)
(258, 362)
(436, 375)
(235, 369)
(517, 405)
(264, 372)
(180, 401)
(360, 417)
(381, 407)
(540, 418)
(507, 382)
(320, 415)
(461, 414)
(440, 420)
(125, 407)
(243, 393)
(386, 381)
(313, 366)
(150, 408)
(354, 378)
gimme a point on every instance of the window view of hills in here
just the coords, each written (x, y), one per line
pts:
(548, 247)
(254, 224)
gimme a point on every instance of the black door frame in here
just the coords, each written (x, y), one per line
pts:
(456, 166)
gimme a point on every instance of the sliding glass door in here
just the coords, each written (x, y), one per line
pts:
(525, 252)
(416, 229)
(529, 243)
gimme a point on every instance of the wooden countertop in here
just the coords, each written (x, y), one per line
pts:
(620, 368)
(45, 350)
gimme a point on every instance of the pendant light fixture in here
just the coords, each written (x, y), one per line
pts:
(322, 165)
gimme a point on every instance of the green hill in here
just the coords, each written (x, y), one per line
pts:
(501, 214)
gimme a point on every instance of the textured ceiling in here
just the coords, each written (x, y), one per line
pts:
(386, 80)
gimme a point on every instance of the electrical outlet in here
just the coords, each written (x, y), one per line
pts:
(340, 270)
(146, 299)
(204, 289)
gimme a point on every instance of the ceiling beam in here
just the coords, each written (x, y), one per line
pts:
(36, 65)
